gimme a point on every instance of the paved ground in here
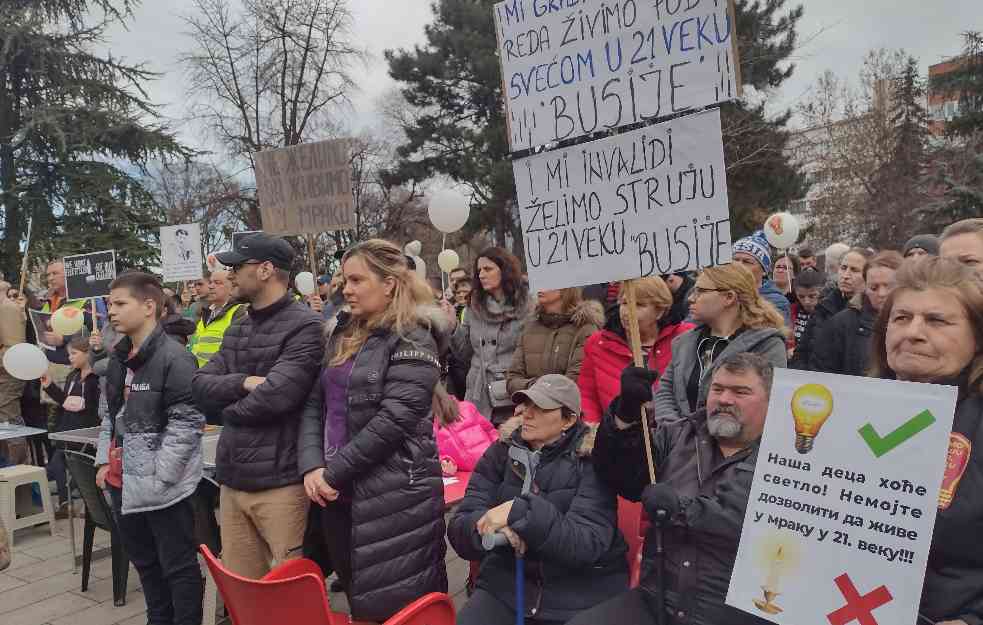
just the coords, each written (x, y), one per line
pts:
(40, 588)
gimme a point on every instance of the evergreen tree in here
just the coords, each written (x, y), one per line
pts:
(75, 130)
(459, 131)
(966, 80)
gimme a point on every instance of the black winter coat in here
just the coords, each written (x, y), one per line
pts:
(389, 470)
(843, 343)
(701, 541)
(258, 447)
(954, 576)
(576, 555)
(805, 349)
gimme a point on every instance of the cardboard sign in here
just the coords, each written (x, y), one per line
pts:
(842, 509)
(306, 189)
(89, 275)
(572, 68)
(42, 323)
(647, 202)
(180, 252)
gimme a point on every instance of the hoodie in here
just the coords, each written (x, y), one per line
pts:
(770, 293)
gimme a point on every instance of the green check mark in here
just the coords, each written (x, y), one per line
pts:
(881, 446)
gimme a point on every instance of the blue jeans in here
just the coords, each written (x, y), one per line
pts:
(162, 547)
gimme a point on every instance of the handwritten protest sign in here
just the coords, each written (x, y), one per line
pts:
(843, 503)
(646, 202)
(306, 189)
(89, 275)
(571, 67)
(180, 248)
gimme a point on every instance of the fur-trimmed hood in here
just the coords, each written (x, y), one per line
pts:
(508, 433)
(430, 317)
(586, 313)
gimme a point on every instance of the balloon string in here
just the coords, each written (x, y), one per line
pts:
(443, 275)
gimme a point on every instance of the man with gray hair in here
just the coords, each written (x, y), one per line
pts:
(834, 255)
(705, 464)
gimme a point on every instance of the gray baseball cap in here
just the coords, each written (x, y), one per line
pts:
(551, 392)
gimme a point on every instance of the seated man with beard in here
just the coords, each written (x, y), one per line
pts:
(704, 464)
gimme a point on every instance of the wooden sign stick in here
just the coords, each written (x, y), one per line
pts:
(635, 338)
(27, 252)
(311, 251)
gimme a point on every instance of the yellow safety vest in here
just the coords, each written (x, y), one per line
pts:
(207, 339)
(81, 304)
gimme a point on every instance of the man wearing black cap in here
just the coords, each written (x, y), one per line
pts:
(258, 382)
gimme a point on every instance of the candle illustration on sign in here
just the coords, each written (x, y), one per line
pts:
(778, 555)
(811, 406)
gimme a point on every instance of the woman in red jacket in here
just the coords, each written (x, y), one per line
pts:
(607, 351)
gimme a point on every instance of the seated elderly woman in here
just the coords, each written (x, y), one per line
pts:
(560, 516)
(931, 330)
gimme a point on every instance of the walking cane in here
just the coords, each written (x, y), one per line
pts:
(529, 460)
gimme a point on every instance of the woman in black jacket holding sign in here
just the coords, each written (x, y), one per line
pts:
(930, 330)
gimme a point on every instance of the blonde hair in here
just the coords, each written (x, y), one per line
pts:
(385, 260)
(755, 312)
(570, 298)
(928, 274)
(966, 226)
(652, 289)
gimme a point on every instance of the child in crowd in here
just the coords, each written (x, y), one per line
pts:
(462, 433)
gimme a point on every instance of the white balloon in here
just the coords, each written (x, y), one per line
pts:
(305, 283)
(67, 320)
(448, 260)
(448, 211)
(25, 362)
(782, 230)
(413, 248)
(421, 267)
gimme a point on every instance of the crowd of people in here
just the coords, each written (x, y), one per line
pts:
(341, 412)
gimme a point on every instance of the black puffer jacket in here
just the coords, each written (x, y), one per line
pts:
(389, 470)
(806, 348)
(701, 541)
(843, 343)
(258, 447)
(576, 555)
(954, 576)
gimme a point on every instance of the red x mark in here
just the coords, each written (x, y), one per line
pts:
(858, 608)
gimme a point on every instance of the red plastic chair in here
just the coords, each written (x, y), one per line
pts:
(294, 593)
(634, 525)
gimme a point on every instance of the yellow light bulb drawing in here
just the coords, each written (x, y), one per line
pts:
(811, 406)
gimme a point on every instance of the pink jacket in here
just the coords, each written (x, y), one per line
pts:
(466, 439)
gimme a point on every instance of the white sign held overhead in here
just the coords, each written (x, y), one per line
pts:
(842, 508)
(180, 252)
(571, 67)
(647, 202)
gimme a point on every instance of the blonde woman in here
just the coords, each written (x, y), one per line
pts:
(366, 444)
(731, 318)
(553, 339)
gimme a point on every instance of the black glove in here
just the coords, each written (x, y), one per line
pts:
(636, 391)
(660, 498)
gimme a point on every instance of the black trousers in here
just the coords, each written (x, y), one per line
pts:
(484, 608)
(161, 545)
(628, 608)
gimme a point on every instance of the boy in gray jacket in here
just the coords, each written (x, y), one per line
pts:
(149, 453)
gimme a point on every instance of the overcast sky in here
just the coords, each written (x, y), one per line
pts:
(835, 34)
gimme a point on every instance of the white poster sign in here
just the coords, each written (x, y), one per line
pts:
(842, 508)
(180, 252)
(646, 202)
(573, 67)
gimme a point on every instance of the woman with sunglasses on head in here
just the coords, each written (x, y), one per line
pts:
(366, 444)
(731, 318)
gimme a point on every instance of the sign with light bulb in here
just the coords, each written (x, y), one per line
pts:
(842, 508)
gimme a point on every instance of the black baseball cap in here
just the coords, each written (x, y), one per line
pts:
(262, 247)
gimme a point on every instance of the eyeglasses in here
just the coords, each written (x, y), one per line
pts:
(235, 268)
(698, 291)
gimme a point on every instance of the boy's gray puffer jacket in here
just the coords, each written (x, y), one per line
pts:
(159, 426)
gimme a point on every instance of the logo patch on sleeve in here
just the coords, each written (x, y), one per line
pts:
(415, 354)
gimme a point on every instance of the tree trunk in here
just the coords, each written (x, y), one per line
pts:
(10, 256)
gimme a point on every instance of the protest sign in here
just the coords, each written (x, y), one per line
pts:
(647, 202)
(180, 248)
(42, 324)
(572, 68)
(842, 508)
(89, 275)
(306, 189)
